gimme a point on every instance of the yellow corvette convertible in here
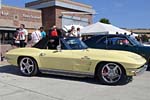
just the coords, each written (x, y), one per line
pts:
(70, 56)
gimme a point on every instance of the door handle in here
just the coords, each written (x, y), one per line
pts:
(42, 54)
(85, 57)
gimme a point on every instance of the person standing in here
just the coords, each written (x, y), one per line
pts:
(72, 32)
(138, 38)
(54, 32)
(15, 42)
(35, 37)
(43, 33)
(22, 36)
(79, 33)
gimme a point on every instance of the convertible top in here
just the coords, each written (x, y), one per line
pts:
(43, 42)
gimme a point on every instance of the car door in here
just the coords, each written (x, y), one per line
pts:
(101, 43)
(55, 59)
(97, 42)
(81, 61)
(121, 43)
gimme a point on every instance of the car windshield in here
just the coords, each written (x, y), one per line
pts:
(134, 41)
(75, 43)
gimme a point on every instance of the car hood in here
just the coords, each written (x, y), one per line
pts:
(145, 47)
(116, 56)
(144, 51)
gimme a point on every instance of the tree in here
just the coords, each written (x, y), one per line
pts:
(105, 20)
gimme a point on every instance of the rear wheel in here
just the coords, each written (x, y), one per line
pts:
(28, 66)
(110, 74)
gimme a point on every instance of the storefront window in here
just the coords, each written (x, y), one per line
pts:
(6, 37)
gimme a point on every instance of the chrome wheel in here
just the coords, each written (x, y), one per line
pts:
(27, 66)
(111, 73)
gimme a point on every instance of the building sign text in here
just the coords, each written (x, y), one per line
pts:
(31, 16)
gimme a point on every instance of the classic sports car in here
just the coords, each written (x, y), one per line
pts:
(119, 42)
(70, 56)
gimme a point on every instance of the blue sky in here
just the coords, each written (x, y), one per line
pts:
(122, 13)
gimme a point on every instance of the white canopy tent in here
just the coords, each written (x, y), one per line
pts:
(68, 27)
(101, 28)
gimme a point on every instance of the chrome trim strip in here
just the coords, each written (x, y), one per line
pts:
(67, 72)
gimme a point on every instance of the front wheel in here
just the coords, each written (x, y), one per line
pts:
(28, 66)
(110, 73)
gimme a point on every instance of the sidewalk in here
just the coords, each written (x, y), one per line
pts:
(4, 63)
(4, 48)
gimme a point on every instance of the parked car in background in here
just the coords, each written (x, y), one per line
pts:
(70, 56)
(119, 42)
(146, 44)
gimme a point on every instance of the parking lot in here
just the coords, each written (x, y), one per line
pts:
(13, 86)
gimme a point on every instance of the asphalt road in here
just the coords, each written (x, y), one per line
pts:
(13, 86)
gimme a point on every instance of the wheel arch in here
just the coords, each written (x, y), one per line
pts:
(104, 62)
(20, 57)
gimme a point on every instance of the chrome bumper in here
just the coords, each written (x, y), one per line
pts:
(136, 72)
(140, 70)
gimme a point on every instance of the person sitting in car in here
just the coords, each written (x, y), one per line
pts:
(53, 43)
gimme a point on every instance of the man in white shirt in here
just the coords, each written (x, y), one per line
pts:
(23, 36)
(36, 36)
(72, 32)
(132, 36)
(79, 33)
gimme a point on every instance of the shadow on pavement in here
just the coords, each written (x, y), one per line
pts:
(82, 79)
(9, 69)
(14, 70)
(148, 69)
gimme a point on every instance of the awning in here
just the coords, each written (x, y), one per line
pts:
(14, 29)
(7, 29)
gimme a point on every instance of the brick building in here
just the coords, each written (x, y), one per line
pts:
(62, 12)
(12, 17)
(43, 13)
